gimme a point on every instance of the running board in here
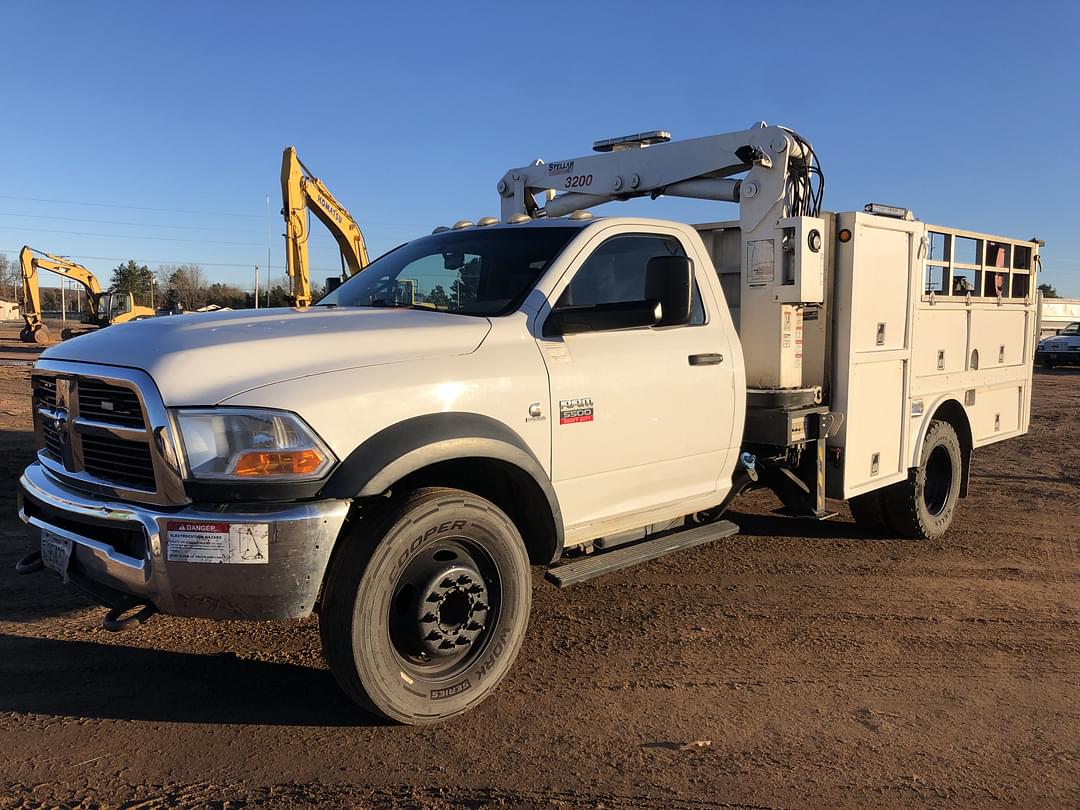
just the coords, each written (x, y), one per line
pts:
(605, 562)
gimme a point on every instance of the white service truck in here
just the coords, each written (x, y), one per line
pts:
(576, 392)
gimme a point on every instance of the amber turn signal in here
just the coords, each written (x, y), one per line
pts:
(844, 235)
(263, 464)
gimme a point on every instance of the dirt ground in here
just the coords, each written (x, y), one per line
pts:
(793, 665)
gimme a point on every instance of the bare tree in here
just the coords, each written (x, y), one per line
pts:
(10, 277)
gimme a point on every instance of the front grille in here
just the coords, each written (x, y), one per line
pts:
(45, 391)
(53, 444)
(103, 402)
(94, 430)
(119, 461)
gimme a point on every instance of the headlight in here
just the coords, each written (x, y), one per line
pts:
(241, 444)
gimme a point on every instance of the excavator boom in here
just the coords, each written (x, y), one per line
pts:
(35, 330)
(300, 191)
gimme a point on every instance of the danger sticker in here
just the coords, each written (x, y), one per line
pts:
(212, 542)
(572, 411)
(762, 263)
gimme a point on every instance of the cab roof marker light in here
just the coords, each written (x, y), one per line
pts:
(483, 222)
(463, 223)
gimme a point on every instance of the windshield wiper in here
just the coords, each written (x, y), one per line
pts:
(386, 302)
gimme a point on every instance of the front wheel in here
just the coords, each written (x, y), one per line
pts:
(426, 608)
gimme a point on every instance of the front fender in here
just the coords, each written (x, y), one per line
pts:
(413, 444)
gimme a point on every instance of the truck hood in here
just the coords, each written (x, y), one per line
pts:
(204, 358)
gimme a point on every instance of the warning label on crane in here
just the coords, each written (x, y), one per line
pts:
(212, 542)
(761, 262)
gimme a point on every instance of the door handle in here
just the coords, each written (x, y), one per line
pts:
(706, 359)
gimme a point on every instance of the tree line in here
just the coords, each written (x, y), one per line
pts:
(173, 287)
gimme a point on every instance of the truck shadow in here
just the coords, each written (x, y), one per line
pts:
(837, 528)
(106, 681)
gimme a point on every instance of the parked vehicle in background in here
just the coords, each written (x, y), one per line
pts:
(1060, 349)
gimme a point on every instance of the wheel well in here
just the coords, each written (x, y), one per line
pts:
(954, 414)
(507, 486)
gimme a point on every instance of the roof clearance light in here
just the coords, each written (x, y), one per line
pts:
(844, 235)
(462, 223)
(893, 211)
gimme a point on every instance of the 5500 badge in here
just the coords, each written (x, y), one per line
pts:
(572, 411)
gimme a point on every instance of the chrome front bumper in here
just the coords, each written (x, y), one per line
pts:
(299, 541)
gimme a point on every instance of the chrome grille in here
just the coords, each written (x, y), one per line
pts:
(45, 391)
(53, 444)
(105, 430)
(119, 461)
(112, 404)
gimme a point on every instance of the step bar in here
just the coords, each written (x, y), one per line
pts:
(606, 562)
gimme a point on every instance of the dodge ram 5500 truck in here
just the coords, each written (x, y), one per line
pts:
(495, 395)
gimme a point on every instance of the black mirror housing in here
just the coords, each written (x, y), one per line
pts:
(670, 280)
(602, 317)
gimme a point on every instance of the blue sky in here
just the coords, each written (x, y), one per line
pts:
(154, 131)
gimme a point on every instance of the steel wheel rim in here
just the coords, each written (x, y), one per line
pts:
(443, 608)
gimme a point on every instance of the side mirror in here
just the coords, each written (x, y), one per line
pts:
(669, 280)
(602, 317)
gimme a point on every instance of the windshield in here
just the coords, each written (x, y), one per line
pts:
(1071, 329)
(472, 272)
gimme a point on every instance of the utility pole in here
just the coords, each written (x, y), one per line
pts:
(63, 303)
(267, 250)
(256, 286)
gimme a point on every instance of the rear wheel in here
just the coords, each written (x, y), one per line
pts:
(425, 610)
(923, 506)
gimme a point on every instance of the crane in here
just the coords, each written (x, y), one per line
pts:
(301, 190)
(104, 308)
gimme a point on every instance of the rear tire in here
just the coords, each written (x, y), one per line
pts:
(426, 607)
(923, 507)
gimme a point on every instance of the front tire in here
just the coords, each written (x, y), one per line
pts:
(923, 507)
(426, 607)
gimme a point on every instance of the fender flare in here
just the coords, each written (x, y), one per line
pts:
(421, 441)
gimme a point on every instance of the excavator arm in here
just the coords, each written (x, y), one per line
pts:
(300, 191)
(35, 330)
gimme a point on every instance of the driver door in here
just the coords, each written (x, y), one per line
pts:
(634, 425)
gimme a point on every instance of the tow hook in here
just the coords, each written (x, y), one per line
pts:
(749, 461)
(30, 564)
(116, 620)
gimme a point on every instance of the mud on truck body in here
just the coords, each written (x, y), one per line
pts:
(552, 389)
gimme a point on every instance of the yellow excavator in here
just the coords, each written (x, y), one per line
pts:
(302, 190)
(103, 308)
